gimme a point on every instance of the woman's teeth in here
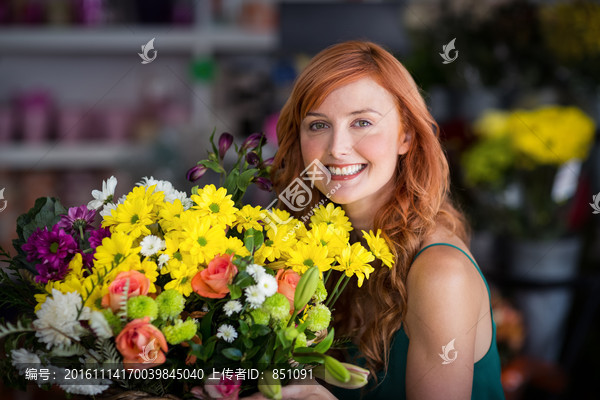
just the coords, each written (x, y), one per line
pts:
(349, 170)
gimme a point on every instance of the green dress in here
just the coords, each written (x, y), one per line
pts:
(486, 372)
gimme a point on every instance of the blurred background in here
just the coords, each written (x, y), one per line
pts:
(514, 86)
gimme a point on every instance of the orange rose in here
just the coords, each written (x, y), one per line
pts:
(287, 280)
(142, 343)
(138, 285)
(212, 281)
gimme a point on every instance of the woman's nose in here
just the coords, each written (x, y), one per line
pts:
(341, 143)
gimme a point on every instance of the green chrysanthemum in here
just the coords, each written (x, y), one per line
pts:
(180, 331)
(320, 293)
(142, 306)
(113, 321)
(318, 318)
(260, 317)
(170, 304)
(277, 306)
(300, 340)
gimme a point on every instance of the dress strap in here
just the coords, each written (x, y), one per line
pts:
(465, 253)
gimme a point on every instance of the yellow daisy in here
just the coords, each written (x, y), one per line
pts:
(182, 279)
(331, 215)
(201, 241)
(248, 217)
(169, 215)
(131, 217)
(117, 249)
(327, 236)
(378, 246)
(355, 260)
(305, 256)
(234, 245)
(216, 204)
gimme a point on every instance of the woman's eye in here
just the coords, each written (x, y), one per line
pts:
(362, 123)
(315, 126)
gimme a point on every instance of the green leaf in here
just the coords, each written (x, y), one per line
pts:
(253, 239)
(325, 344)
(259, 330)
(248, 342)
(245, 179)
(232, 353)
(212, 141)
(244, 327)
(210, 164)
(235, 291)
(231, 182)
(206, 324)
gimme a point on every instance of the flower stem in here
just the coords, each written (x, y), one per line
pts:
(334, 292)
(337, 295)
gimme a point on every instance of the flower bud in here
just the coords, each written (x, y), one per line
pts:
(337, 370)
(225, 142)
(358, 376)
(306, 288)
(267, 163)
(252, 158)
(252, 142)
(195, 173)
(269, 386)
(264, 184)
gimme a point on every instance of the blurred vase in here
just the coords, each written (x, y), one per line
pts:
(545, 310)
(70, 125)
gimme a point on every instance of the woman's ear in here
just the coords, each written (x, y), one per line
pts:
(405, 145)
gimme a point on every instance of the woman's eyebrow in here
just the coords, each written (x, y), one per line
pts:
(366, 110)
(315, 114)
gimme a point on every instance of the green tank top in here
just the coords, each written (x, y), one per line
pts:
(486, 372)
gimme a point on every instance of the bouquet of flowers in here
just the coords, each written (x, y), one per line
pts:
(195, 296)
(528, 162)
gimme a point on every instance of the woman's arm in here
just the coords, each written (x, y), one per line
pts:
(444, 303)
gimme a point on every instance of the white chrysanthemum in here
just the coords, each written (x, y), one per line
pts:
(105, 196)
(227, 333)
(22, 359)
(151, 245)
(232, 306)
(99, 325)
(58, 323)
(187, 203)
(255, 296)
(171, 194)
(268, 284)
(162, 260)
(255, 271)
(107, 209)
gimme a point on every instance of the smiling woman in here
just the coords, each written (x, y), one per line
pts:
(357, 110)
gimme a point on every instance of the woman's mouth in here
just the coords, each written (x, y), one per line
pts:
(346, 171)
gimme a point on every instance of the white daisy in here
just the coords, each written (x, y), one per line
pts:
(162, 260)
(232, 306)
(21, 359)
(268, 284)
(151, 245)
(227, 333)
(99, 325)
(105, 196)
(255, 271)
(106, 211)
(255, 296)
(57, 323)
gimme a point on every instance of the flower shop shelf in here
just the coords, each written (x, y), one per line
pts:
(129, 39)
(55, 156)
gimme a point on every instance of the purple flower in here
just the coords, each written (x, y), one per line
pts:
(264, 184)
(252, 158)
(253, 141)
(53, 250)
(77, 218)
(195, 173)
(267, 163)
(97, 235)
(225, 142)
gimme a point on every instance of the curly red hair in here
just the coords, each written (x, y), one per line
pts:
(421, 196)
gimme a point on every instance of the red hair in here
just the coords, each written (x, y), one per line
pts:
(421, 196)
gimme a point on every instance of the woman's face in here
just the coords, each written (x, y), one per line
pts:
(357, 133)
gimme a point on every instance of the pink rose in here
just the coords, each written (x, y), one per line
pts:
(287, 280)
(226, 389)
(212, 281)
(138, 285)
(142, 343)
